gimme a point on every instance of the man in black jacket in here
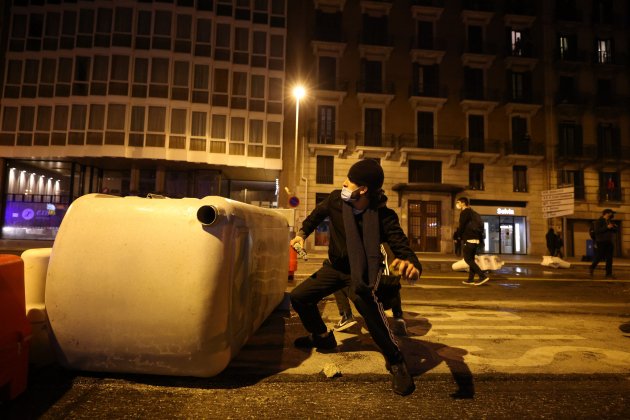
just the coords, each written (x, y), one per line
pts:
(359, 222)
(471, 231)
(604, 230)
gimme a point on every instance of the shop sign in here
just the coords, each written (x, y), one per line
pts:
(505, 211)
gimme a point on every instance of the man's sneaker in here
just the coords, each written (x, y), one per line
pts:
(327, 342)
(482, 281)
(344, 323)
(399, 327)
(402, 381)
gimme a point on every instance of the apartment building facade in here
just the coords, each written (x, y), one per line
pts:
(172, 97)
(466, 98)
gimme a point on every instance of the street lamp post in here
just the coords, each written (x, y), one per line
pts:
(298, 93)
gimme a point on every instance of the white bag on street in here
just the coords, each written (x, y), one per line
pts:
(554, 262)
(485, 263)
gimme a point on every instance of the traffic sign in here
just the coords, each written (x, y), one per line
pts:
(558, 202)
(294, 201)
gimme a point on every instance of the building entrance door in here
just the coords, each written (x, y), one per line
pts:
(507, 238)
(424, 225)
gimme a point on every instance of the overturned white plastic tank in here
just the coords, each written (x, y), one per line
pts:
(162, 286)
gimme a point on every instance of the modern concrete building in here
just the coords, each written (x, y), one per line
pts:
(173, 97)
(494, 100)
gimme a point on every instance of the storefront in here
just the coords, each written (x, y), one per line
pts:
(505, 229)
(36, 199)
(37, 193)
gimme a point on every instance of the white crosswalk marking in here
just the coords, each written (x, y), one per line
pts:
(493, 327)
(507, 336)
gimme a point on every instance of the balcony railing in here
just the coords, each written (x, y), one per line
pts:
(435, 44)
(581, 152)
(524, 48)
(570, 55)
(375, 38)
(614, 195)
(569, 98)
(337, 138)
(375, 139)
(327, 34)
(375, 86)
(526, 97)
(480, 48)
(481, 145)
(430, 90)
(430, 142)
(524, 147)
(609, 58)
(336, 85)
(478, 93)
(612, 152)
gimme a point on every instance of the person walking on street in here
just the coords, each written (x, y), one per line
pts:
(359, 222)
(471, 231)
(552, 242)
(345, 310)
(604, 231)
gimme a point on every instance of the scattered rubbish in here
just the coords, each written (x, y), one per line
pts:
(331, 370)
(485, 263)
(554, 262)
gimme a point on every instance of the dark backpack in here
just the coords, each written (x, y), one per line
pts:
(476, 225)
(591, 230)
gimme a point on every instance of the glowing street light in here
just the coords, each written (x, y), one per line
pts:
(298, 94)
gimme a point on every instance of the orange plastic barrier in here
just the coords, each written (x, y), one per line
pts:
(293, 263)
(15, 330)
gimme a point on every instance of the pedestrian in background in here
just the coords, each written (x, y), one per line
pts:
(552, 242)
(359, 222)
(604, 231)
(345, 310)
(471, 231)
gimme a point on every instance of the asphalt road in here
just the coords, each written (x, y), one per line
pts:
(532, 343)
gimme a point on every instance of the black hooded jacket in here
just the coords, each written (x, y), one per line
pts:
(390, 231)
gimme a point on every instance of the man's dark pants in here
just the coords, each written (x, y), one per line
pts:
(604, 251)
(470, 250)
(325, 282)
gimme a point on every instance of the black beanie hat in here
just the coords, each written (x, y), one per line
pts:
(367, 173)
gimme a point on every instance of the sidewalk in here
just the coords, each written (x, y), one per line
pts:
(507, 258)
(10, 246)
